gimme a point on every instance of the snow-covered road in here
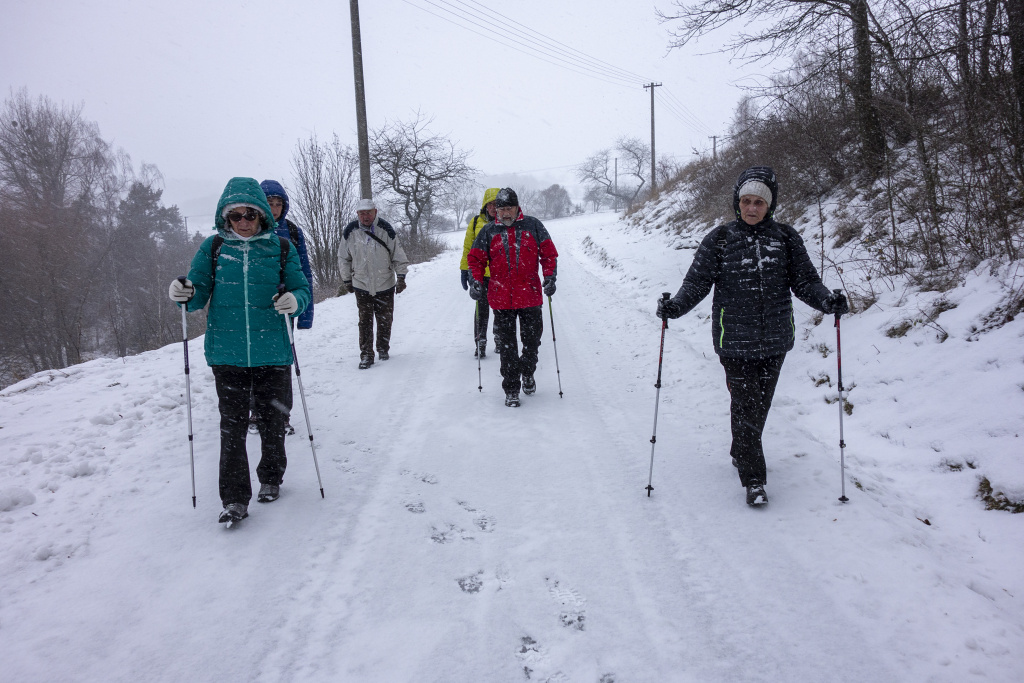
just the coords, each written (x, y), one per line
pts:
(461, 540)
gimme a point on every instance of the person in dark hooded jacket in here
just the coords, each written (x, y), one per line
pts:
(278, 200)
(753, 263)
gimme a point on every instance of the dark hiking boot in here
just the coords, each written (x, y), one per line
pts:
(383, 355)
(268, 493)
(755, 493)
(254, 427)
(365, 361)
(529, 385)
(512, 399)
(288, 429)
(233, 512)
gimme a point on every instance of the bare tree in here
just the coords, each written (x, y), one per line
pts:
(416, 169)
(554, 202)
(326, 187)
(634, 156)
(464, 202)
(789, 24)
(76, 222)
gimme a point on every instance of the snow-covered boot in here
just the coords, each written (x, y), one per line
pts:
(288, 429)
(481, 349)
(512, 399)
(268, 493)
(756, 494)
(233, 512)
(383, 355)
(529, 385)
(365, 361)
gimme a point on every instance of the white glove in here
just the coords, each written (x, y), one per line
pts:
(181, 293)
(286, 303)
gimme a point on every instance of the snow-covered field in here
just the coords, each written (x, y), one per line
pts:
(461, 540)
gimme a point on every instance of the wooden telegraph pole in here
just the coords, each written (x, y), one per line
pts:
(653, 184)
(366, 190)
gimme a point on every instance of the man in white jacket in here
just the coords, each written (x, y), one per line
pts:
(373, 266)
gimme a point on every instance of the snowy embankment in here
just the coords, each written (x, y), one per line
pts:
(460, 540)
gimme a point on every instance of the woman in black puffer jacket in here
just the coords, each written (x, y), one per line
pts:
(753, 263)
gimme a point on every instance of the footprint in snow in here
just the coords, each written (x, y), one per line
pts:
(416, 507)
(448, 534)
(472, 583)
(485, 523)
(572, 614)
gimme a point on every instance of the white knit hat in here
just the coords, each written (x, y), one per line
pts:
(756, 188)
(365, 205)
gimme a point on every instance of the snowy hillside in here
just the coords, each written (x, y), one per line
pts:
(461, 540)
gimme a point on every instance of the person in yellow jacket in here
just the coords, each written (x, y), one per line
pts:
(483, 311)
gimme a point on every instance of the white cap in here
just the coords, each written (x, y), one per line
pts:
(365, 205)
(756, 188)
(227, 209)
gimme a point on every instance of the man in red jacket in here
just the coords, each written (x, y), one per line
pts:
(514, 247)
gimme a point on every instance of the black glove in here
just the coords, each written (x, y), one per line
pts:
(348, 286)
(836, 304)
(549, 285)
(669, 308)
(465, 279)
(400, 285)
(476, 290)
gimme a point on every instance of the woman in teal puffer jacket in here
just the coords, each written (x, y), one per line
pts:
(247, 344)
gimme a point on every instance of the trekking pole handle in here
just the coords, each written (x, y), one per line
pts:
(665, 296)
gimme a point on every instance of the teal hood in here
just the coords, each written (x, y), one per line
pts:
(243, 191)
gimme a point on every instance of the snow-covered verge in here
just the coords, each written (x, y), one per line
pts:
(460, 540)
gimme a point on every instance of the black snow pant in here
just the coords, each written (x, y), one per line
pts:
(271, 385)
(751, 384)
(481, 316)
(531, 326)
(379, 306)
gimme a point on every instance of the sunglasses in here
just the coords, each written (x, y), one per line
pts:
(250, 216)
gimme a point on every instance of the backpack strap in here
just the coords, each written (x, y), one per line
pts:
(293, 232)
(285, 247)
(218, 242)
(380, 242)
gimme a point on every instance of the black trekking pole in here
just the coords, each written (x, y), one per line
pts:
(302, 393)
(188, 394)
(657, 395)
(842, 442)
(479, 372)
(555, 347)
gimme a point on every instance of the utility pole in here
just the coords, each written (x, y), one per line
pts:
(366, 190)
(653, 184)
(616, 195)
(714, 147)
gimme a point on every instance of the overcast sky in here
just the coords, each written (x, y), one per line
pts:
(210, 89)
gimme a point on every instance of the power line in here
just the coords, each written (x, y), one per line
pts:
(544, 50)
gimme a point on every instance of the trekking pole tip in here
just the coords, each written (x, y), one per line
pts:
(193, 502)
(843, 499)
(321, 494)
(649, 489)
